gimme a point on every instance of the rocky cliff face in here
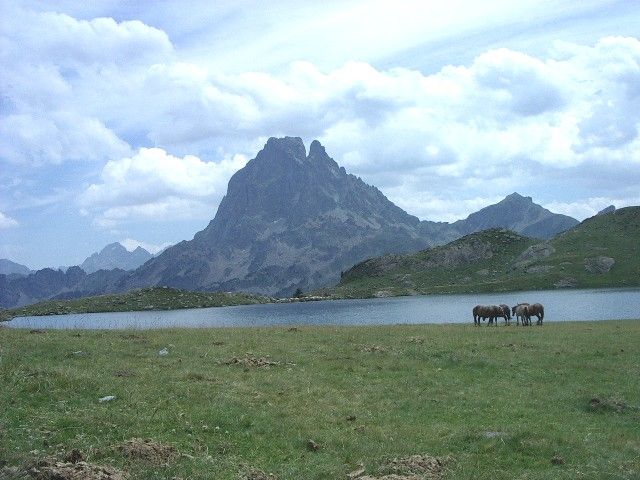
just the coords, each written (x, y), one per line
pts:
(289, 220)
(113, 256)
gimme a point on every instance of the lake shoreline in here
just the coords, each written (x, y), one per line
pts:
(565, 305)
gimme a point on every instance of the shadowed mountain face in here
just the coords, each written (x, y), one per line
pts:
(289, 220)
(519, 214)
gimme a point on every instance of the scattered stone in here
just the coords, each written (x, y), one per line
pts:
(313, 446)
(49, 469)
(108, 398)
(356, 473)
(351, 418)
(124, 373)
(37, 330)
(413, 467)
(557, 460)
(418, 340)
(293, 329)
(539, 269)
(163, 353)
(252, 361)
(490, 434)
(374, 349)
(598, 404)
(148, 450)
(74, 456)
(382, 294)
(566, 282)
(598, 265)
(534, 253)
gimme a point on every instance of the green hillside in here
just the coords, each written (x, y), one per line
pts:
(156, 298)
(602, 251)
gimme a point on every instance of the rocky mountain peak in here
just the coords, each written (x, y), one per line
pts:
(115, 255)
(515, 197)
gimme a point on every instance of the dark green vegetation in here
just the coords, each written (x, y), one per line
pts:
(157, 298)
(559, 401)
(603, 251)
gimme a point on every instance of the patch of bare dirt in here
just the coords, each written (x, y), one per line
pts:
(124, 373)
(413, 467)
(251, 361)
(604, 404)
(148, 450)
(50, 469)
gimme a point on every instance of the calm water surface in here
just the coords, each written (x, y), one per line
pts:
(563, 305)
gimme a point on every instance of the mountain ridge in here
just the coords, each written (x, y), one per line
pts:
(292, 219)
(115, 255)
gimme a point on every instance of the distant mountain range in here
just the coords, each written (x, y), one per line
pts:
(115, 255)
(7, 267)
(291, 219)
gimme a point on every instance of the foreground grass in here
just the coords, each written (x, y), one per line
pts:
(501, 402)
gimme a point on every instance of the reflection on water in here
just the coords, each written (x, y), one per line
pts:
(560, 305)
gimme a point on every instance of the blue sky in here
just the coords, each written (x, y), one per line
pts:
(123, 121)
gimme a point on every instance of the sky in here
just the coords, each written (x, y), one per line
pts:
(123, 121)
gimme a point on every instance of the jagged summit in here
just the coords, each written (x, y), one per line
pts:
(114, 256)
(289, 220)
(516, 197)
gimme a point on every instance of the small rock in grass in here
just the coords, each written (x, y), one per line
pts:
(74, 456)
(557, 460)
(108, 398)
(313, 446)
(163, 353)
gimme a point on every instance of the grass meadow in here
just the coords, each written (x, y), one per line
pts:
(559, 401)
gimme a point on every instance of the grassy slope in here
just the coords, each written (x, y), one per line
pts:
(615, 235)
(156, 298)
(430, 389)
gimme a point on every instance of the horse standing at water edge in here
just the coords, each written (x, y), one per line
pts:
(506, 313)
(482, 312)
(521, 312)
(538, 310)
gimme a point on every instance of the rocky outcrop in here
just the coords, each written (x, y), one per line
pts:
(598, 265)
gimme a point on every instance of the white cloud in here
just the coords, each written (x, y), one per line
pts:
(588, 207)
(6, 221)
(156, 185)
(543, 125)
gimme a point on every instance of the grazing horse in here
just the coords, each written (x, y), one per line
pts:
(505, 312)
(521, 312)
(482, 312)
(538, 310)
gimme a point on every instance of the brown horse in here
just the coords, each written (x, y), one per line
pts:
(538, 310)
(505, 312)
(482, 312)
